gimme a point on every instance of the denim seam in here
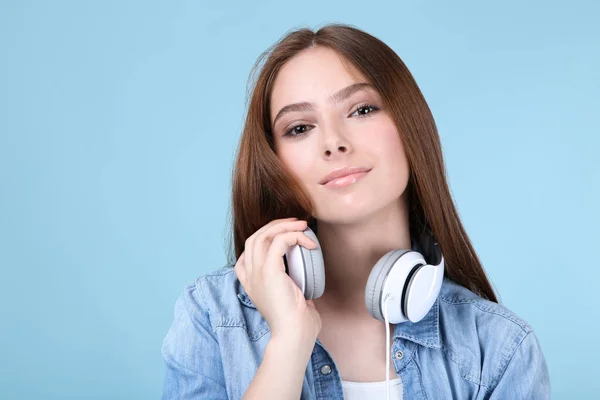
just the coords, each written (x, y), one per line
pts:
(226, 270)
(254, 337)
(316, 380)
(520, 323)
(408, 357)
(463, 370)
(172, 360)
(229, 323)
(201, 294)
(477, 304)
(417, 340)
(420, 377)
(197, 288)
(510, 353)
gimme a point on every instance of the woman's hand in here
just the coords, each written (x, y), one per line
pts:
(261, 272)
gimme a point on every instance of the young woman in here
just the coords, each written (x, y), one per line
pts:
(339, 138)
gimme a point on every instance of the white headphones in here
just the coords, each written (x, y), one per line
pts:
(401, 277)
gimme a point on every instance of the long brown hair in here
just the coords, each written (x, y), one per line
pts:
(262, 190)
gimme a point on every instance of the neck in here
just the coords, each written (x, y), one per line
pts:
(351, 250)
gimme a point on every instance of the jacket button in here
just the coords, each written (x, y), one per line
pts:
(399, 355)
(326, 369)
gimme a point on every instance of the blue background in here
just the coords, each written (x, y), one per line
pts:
(118, 126)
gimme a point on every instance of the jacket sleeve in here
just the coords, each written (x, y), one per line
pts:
(191, 352)
(526, 374)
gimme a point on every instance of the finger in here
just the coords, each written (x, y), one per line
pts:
(251, 241)
(249, 244)
(282, 242)
(263, 241)
(274, 222)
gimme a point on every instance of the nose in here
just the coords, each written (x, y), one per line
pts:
(335, 143)
(340, 148)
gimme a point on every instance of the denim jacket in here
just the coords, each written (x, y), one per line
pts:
(466, 347)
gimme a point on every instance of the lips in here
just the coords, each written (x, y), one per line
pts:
(341, 172)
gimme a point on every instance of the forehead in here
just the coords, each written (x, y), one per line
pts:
(312, 75)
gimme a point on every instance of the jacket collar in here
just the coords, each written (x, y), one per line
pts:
(425, 332)
(243, 296)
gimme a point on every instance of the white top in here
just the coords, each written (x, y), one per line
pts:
(372, 390)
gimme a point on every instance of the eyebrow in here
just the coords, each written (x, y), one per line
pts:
(337, 97)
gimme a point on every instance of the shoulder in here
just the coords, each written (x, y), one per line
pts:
(220, 296)
(458, 299)
(198, 295)
(217, 287)
(193, 346)
(479, 335)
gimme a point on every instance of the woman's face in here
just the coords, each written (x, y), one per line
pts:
(323, 135)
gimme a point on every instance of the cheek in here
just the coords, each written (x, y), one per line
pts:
(394, 147)
(299, 163)
(391, 157)
(387, 144)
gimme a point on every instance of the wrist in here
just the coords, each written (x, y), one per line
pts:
(297, 338)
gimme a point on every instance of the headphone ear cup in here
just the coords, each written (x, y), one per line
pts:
(406, 288)
(315, 271)
(306, 267)
(376, 281)
(422, 291)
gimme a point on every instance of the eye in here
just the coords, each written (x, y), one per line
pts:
(369, 110)
(299, 130)
(295, 132)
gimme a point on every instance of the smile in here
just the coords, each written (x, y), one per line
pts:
(346, 180)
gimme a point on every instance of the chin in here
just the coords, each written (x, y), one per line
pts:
(353, 208)
(336, 213)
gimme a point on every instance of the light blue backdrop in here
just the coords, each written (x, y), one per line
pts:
(118, 124)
